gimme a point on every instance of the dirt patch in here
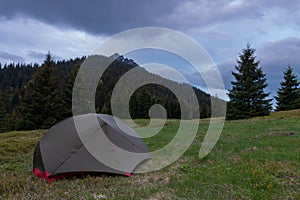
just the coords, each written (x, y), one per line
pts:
(251, 149)
(283, 133)
(160, 195)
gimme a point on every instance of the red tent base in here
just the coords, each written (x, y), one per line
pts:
(45, 176)
(52, 178)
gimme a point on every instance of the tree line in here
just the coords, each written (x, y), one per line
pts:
(247, 95)
(36, 96)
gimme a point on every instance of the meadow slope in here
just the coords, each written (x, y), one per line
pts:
(250, 161)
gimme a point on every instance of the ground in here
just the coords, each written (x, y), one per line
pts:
(248, 162)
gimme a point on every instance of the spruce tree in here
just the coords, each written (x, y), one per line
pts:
(288, 95)
(144, 101)
(42, 103)
(2, 113)
(247, 96)
(68, 90)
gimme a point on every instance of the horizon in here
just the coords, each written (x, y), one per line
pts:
(223, 28)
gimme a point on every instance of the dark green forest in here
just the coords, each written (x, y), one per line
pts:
(38, 96)
(34, 96)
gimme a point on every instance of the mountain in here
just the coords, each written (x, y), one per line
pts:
(14, 79)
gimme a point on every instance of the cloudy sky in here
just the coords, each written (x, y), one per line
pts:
(67, 29)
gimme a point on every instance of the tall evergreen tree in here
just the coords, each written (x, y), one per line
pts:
(42, 103)
(142, 103)
(247, 96)
(68, 90)
(288, 95)
(2, 113)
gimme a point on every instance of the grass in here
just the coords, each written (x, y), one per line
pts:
(248, 162)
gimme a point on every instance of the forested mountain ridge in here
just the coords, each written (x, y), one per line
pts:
(24, 96)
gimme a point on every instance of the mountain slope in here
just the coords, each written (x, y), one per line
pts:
(15, 77)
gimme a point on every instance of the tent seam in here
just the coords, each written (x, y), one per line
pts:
(73, 152)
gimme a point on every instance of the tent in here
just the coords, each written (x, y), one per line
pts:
(89, 143)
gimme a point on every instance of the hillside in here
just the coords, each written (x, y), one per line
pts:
(15, 78)
(249, 161)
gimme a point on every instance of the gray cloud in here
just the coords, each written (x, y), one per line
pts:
(224, 68)
(32, 39)
(206, 12)
(223, 27)
(8, 57)
(280, 53)
(112, 16)
(36, 55)
(105, 16)
(276, 56)
(40, 56)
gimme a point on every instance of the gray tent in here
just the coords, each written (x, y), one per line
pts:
(79, 145)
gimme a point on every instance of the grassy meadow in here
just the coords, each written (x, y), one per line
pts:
(251, 160)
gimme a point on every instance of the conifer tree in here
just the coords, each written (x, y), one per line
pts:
(288, 95)
(247, 95)
(144, 103)
(42, 103)
(68, 90)
(2, 113)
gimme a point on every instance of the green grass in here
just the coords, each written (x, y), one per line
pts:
(233, 170)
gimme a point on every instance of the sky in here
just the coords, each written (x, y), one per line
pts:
(31, 28)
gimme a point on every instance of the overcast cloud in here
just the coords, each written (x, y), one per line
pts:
(31, 28)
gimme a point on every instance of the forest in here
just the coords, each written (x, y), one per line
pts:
(34, 96)
(37, 96)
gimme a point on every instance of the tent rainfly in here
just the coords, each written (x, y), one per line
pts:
(78, 145)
